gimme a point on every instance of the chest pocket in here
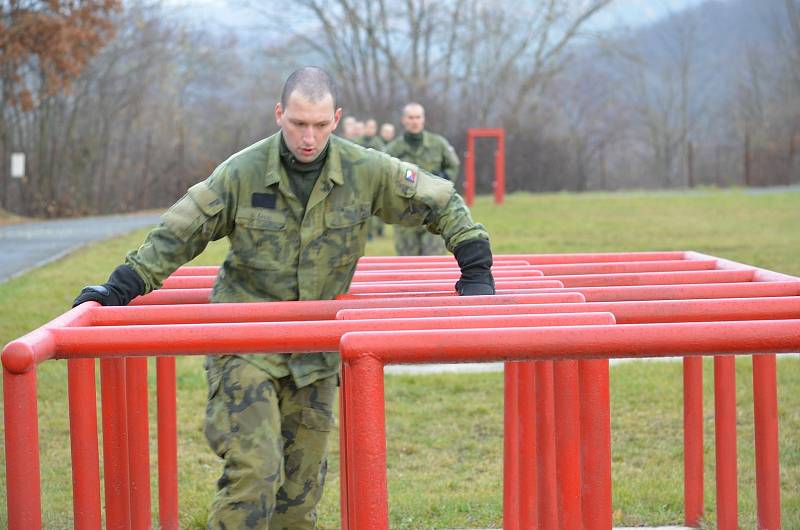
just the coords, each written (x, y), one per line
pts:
(345, 232)
(261, 239)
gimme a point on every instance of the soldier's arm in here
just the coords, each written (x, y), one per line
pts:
(205, 213)
(450, 162)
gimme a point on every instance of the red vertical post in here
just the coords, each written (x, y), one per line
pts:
(725, 434)
(595, 430)
(527, 445)
(568, 443)
(469, 170)
(367, 428)
(765, 411)
(693, 440)
(83, 440)
(547, 506)
(115, 444)
(500, 168)
(138, 442)
(167, 443)
(20, 418)
(511, 451)
(346, 496)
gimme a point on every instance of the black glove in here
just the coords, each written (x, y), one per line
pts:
(122, 286)
(475, 259)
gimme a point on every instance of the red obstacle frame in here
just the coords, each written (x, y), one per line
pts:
(21, 357)
(499, 164)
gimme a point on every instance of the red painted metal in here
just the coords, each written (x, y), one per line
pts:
(595, 427)
(138, 442)
(167, 444)
(547, 502)
(568, 443)
(626, 267)
(405, 265)
(511, 446)
(765, 412)
(421, 287)
(527, 443)
(115, 444)
(23, 495)
(694, 505)
(725, 437)
(83, 439)
(499, 164)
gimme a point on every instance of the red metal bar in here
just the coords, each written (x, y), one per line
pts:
(568, 443)
(23, 493)
(469, 171)
(627, 267)
(188, 312)
(595, 427)
(537, 259)
(693, 441)
(765, 411)
(654, 278)
(345, 482)
(368, 267)
(650, 311)
(266, 337)
(115, 444)
(367, 428)
(725, 435)
(424, 287)
(84, 444)
(511, 447)
(547, 502)
(167, 444)
(138, 442)
(527, 445)
(500, 168)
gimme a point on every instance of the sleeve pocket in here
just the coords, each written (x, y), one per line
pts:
(187, 215)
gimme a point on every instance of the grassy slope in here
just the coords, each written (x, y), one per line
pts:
(446, 474)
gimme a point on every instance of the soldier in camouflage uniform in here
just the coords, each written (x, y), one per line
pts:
(371, 140)
(295, 208)
(435, 155)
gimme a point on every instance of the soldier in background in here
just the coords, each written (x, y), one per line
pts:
(349, 128)
(434, 154)
(370, 138)
(294, 207)
(387, 133)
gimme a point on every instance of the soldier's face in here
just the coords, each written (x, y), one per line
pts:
(414, 119)
(307, 124)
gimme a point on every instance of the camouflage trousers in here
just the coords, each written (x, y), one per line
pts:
(417, 241)
(376, 227)
(272, 437)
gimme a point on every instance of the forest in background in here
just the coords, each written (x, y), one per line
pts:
(121, 105)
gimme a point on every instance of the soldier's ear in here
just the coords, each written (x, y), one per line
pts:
(337, 115)
(278, 113)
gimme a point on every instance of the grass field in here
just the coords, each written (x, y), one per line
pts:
(445, 431)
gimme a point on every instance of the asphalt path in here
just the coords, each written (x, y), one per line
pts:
(25, 246)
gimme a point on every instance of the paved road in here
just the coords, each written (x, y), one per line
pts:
(25, 246)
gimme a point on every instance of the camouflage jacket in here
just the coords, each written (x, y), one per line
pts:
(435, 155)
(281, 251)
(372, 142)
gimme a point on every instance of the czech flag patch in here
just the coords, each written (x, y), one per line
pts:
(411, 175)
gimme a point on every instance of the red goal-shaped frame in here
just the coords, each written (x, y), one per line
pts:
(499, 164)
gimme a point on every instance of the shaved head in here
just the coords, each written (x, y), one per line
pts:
(313, 83)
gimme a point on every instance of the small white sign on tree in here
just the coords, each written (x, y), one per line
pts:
(17, 165)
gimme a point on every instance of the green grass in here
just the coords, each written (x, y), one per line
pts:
(445, 431)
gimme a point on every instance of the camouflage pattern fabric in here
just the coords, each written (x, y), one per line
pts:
(283, 251)
(273, 438)
(435, 155)
(416, 241)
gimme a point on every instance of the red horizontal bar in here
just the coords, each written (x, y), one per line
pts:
(625, 312)
(576, 342)
(293, 311)
(654, 278)
(537, 259)
(616, 267)
(266, 337)
(531, 282)
(367, 267)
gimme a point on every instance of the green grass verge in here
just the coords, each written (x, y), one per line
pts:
(445, 431)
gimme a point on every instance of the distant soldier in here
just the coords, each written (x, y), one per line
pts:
(387, 132)
(434, 154)
(349, 128)
(370, 138)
